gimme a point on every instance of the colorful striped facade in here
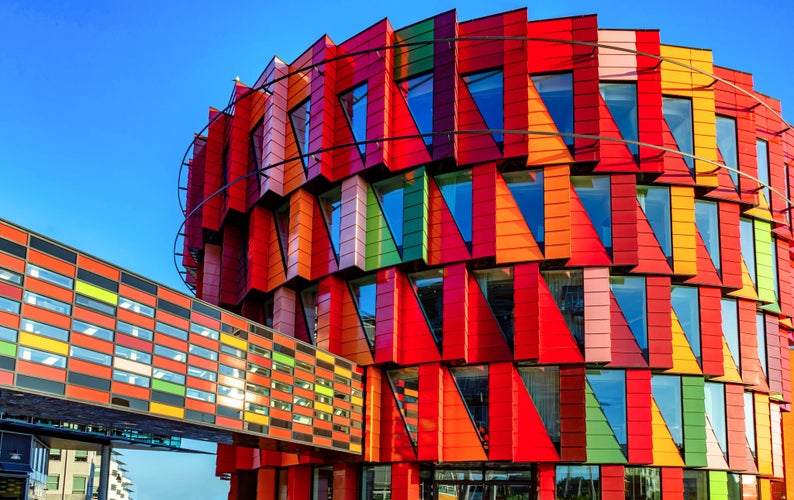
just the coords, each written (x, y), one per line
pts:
(560, 253)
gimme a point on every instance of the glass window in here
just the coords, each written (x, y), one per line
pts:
(543, 385)
(526, 186)
(655, 203)
(47, 303)
(609, 388)
(133, 354)
(389, 193)
(81, 456)
(376, 482)
(497, 287)
(53, 481)
(203, 331)
(686, 305)
(331, 208)
(556, 91)
(595, 193)
(136, 307)
(354, 105)
(708, 225)
(730, 327)
(727, 145)
(133, 330)
(8, 305)
(308, 298)
(715, 412)
(762, 157)
(202, 352)
(749, 421)
(696, 485)
(49, 276)
(405, 386)
(667, 394)
(230, 392)
(41, 357)
(8, 334)
(92, 330)
(734, 486)
(567, 288)
(429, 289)
(418, 94)
(171, 330)
(364, 295)
(472, 383)
(300, 120)
(90, 356)
(96, 305)
(486, 88)
(10, 276)
(621, 100)
(678, 115)
(168, 376)
(747, 235)
(578, 482)
(760, 331)
(78, 485)
(45, 330)
(630, 294)
(281, 218)
(169, 353)
(202, 373)
(642, 482)
(456, 190)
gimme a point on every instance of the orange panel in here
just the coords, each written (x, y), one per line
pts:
(93, 318)
(45, 316)
(85, 394)
(89, 342)
(137, 295)
(129, 390)
(169, 364)
(176, 298)
(13, 234)
(236, 424)
(51, 263)
(98, 267)
(41, 371)
(12, 263)
(196, 405)
(78, 365)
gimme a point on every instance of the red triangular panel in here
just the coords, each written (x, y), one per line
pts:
(651, 258)
(446, 242)
(586, 247)
(486, 341)
(557, 344)
(530, 429)
(323, 258)
(706, 275)
(675, 168)
(615, 155)
(625, 350)
(395, 443)
(405, 153)
(417, 344)
(727, 189)
(473, 147)
(461, 442)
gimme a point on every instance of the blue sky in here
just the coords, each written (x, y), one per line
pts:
(100, 100)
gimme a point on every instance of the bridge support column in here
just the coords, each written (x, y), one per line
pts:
(104, 476)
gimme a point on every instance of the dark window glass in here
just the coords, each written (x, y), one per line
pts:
(749, 421)
(52, 249)
(609, 388)
(281, 218)
(472, 382)
(405, 386)
(726, 143)
(363, 291)
(730, 328)
(655, 203)
(390, 196)
(206, 310)
(354, 105)
(556, 90)
(678, 115)
(331, 207)
(40, 384)
(667, 394)
(456, 190)
(308, 298)
(708, 225)
(567, 288)
(138, 283)
(487, 90)
(734, 486)
(715, 412)
(595, 193)
(762, 157)
(96, 305)
(543, 384)
(526, 186)
(173, 308)
(578, 482)
(696, 485)
(686, 306)
(13, 248)
(96, 279)
(429, 288)
(497, 287)
(621, 100)
(642, 482)
(90, 356)
(760, 331)
(376, 482)
(80, 379)
(630, 294)
(300, 120)
(747, 237)
(418, 94)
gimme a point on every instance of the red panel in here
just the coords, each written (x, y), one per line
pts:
(528, 427)
(730, 245)
(299, 481)
(86, 394)
(210, 211)
(612, 481)
(417, 344)
(624, 220)
(239, 138)
(557, 344)
(444, 239)
(41, 371)
(651, 258)
(404, 481)
(232, 281)
(660, 336)
(501, 409)
(547, 487)
(572, 414)
(649, 102)
(456, 305)
(329, 314)
(386, 324)
(638, 416)
(484, 211)
(431, 412)
(711, 331)
(395, 443)
(10, 291)
(625, 350)
(210, 289)
(485, 339)
(586, 246)
(673, 483)
(676, 170)
(260, 224)
(133, 342)
(526, 314)
(734, 413)
(78, 365)
(405, 153)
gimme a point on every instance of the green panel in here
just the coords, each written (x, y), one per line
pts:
(281, 358)
(321, 389)
(415, 203)
(763, 262)
(8, 349)
(694, 406)
(602, 447)
(163, 386)
(718, 485)
(415, 59)
(381, 250)
(96, 292)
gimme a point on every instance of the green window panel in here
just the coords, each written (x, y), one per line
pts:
(415, 216)
(602, 447)
(765, 274)
(170, 387)
(8, 349)
(381, 249)
(718, 485)
(96, 293)
(693, 403)
(418, 58)
(281, 358)
(321, 389)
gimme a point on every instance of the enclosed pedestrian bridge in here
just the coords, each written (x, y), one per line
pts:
(93, 351)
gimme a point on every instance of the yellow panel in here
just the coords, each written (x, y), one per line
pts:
(234, 341)
(343, 372)
(682, 203)
(748, 289)
(731, 372)
(356, 401)
(665, 451)
(763, 434)
(684, 360)
(323, 407)
(169, 411)
(96, 292)
(325, 357)
(257, 418)
(44, 343)
(355, 448)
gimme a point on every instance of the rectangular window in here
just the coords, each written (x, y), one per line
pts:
(90, 356)
(708, 225)
(609, 389)
(10, 276)
(543, 385)
(78, 485)
(92, 330)
(47, 303)
(168, 376)
(727, 146)
(45, 330)
(80, 456)
(96, 305)
(678, 115)
(762, 157)
(363, 291)
(130, 378)
(202, 352)
(49, 276)
(204, 331)
(578, 482)
(730, 328)
(747, 240)
(655, 203)
(202, 373)
(526, 186)
(418, 94)
(487, 91)
(200, 395)
(53, 481)
(376, 482)
(390, 195)
(749, 421)
(760, 330)
(171, 331)
(429, 289)
(567, 288)
(354, 105)
(169, 353)
(41, 357)
(497, 288)
(621, 100)
(666, 390)
(556, 91)
(133, 354)
(630, 294)
(696, 484)
(331, 208)
(642, 482)
(595, 193)
(455, 188)
(686, 305)
(136, 307)
(715, 412)
(8, 305)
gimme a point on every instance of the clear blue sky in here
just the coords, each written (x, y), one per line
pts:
(100, 100)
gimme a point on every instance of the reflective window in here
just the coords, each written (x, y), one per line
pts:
(389, 193)
(734, 486)
(418, 93)
(556, 90)
(41, 357)
(281, 218)
(200, 395)
(168, 376)
(230, 392)
(621, 100)
(686, 305)
(696, 485)
(708, 225)
(567, 288)
(202, 373)
(8, 334)
(364, 295)
(47, 303)
(429, 289)
(678, 115)
(594, 191)
(642, 482)
(48, 276)
(578, 482)
(331, 208)
(89, 355)
(231, 371)
(133, 354)
(202, 352)
(96, 305)
(10, 276)
(92, 330)
(456, 190)
(45, 330)
(762, 158)
(487, 90)
(497, 287)
(171, 331)
(715, 412)
(203, 331)
(134, 330)
(405, 386)
(354, 105)
(726, 143)
(300, 119)
(775, 275)
(749, 421)
(543, 385)
(308, 298)
(376, 482)
(747, 235)
(169, 353)
(526, 186)
(760, 331)
(667, 394)
(630, 294)
(655, 203)
(136, 307)
(472, 383)
(730, 327)
(8, 305)
(609, 388)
